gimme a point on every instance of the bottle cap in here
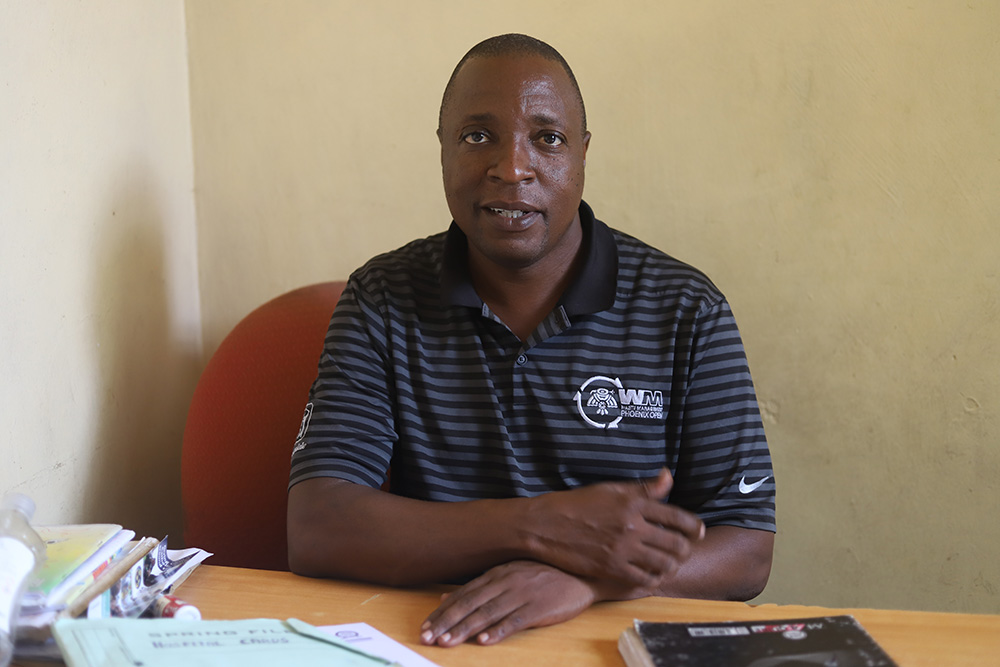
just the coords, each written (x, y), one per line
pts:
(187, 613)
(19, 502)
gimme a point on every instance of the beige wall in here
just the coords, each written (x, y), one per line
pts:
(99, 320)
(833, 166)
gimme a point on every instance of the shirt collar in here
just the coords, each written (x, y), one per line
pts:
(592, 291)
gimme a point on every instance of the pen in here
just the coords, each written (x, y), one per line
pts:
(111, 575)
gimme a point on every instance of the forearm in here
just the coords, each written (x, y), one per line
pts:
(729, 564)
(340, 529)
(620, 531)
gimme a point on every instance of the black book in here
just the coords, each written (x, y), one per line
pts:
(825, 641)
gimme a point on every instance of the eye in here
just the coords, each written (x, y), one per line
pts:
(474, 137)
(552, 139)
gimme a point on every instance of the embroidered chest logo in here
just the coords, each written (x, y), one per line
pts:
(603, 402)
(300, 441)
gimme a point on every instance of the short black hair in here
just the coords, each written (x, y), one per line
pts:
(513, 44)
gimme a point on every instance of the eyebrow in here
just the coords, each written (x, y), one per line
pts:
(544, 119)
(537, 119)
(479, 118)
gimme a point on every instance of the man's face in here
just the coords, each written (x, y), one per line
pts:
(512, 155)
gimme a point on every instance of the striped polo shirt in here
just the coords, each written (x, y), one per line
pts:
(639, 367)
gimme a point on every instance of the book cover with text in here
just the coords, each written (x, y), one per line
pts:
(822, 641)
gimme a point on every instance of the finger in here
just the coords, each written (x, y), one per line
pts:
(486, 615)
(659, 486)
(570, 598)
(452, 610)
(449, 598)
(660, 560)
(667, 543)
(670, 518)
(508, 625)
(647, 574)
(660, 551)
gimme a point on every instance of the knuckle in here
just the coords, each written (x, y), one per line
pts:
(512, 623)
(456, 612)
(489, 609)
(684, 549)
(457, 607)
(650, 580)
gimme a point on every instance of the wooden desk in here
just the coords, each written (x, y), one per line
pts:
(913, 639)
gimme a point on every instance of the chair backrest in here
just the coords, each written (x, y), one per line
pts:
(241, 426)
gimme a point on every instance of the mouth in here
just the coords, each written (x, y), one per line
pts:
(513, 214)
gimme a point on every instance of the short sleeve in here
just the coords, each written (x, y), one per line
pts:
(348, 429)
(724, 471)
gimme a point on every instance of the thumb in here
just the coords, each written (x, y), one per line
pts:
(660, 486)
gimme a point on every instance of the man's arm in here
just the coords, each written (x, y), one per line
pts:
(615, 531)
(340, 529)
(730, 564)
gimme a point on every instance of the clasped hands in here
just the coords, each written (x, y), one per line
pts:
(613, 540)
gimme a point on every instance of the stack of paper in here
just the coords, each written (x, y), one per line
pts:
(75, 556)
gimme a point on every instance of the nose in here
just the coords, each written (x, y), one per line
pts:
(513, 162)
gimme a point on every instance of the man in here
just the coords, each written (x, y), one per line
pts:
(568, 413)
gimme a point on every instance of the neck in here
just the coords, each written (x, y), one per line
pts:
(524, 296)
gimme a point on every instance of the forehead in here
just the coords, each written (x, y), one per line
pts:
(513, 84)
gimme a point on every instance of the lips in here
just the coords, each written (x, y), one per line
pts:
(507, 213)
(512, 215)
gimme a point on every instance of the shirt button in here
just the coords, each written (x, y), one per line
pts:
(522, 359)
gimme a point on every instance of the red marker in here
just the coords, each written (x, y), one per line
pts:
(167, 606)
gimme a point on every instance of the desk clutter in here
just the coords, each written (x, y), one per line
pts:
(86, 571)
(93, 594)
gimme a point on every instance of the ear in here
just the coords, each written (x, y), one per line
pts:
(586, 145)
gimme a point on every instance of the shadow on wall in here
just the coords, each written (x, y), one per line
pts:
(147, 376)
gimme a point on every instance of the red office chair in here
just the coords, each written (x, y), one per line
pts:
(241, 427)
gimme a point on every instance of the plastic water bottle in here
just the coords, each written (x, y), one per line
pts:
(21, 550)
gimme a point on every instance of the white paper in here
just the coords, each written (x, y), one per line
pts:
(370, 640)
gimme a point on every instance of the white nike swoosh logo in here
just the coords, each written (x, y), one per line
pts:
(750, 488)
